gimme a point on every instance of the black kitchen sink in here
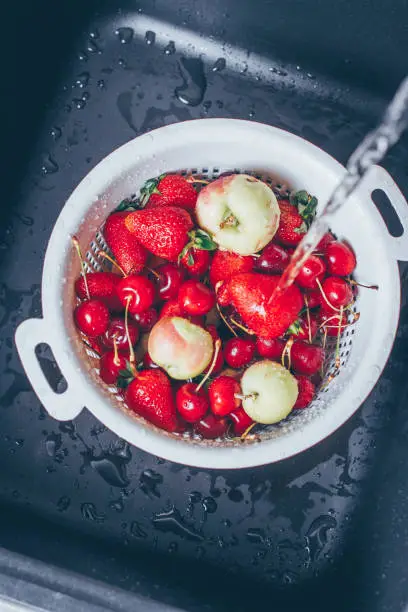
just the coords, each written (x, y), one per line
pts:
(327, 529)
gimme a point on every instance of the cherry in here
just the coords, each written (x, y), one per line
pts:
(196, 261)
(238, 352)
(300, 328)
(168, 281)
(219, 362)
(195, 298)
(172, 309)
(306, 392)
(146, 319)
(192, 404)
(327, 239)
(96, 345)
(271, 348)
(92, 318)
(314, 268)
(210, 427)
(110, 364)
(274, 259)
(306, 358)
(240, 421)
(148, 361)
(341, 260)
(137, 292)
(313, 298)
(330, 323)
(337, 291)
(222, 392)
(116, 334)
(101, 286)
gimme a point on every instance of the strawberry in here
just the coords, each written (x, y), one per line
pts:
(306, 391)
(150, 395)
(102, 286)
(127, 250)
(225, 264)
(296, 217)
(250, 295)
(169, 190)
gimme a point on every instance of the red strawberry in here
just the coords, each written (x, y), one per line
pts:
(127, 250)
(150, 395)
(295, 218)
(225, 264)
(250, 295)
(164, 231)
(101, 285)
(306, 392)
(169, 190)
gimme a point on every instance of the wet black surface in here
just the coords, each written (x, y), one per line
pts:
(74, 494)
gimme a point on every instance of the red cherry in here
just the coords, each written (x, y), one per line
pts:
(300, 328)
(274, 259)
(110, 365)
(146, 319)
(138, 291)
(330, 323)
(195, 298)
(172, 309)
(210, 427)
(92, 318)
(148, 361)
(306, 358)
(338, 293)
(313, 298)
(238, 352)
(169, 281)
(222, 393)
(341, 260)
(306, 392)
(97, 345)
(327, 239)
(313, 268)
(116, 332)
(271, 348)
(240, 421)
(192, 405)
(196, 261)
(101, 286)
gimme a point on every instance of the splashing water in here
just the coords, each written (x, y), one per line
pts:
(369, 152)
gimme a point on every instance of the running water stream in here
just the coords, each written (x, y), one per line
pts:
(369, 152)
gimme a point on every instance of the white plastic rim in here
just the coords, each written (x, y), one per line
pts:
(225, 143)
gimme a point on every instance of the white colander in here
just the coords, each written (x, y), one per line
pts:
(209, 147)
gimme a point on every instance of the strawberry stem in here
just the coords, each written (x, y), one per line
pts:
(212, 366)
(75, 242)
(112, 261)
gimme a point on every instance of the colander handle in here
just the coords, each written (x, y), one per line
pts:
(29, 334)
(378, 178)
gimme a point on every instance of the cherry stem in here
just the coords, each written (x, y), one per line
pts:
(246, 432)
(112, 261)
(319, 284)
(212, 366)
(353, 282)
(287, 353)
(309, 327)
(116, 360)
(324, 338)
(337, 358)
(245, 329)
(75, 242)
(232, 330)
(132, 358)
(241, 397)
(193, 179)
(156, 274)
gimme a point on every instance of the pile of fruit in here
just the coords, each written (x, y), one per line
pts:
(186, 324)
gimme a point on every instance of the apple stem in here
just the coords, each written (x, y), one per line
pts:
(246, 432)
(319, 284)
(241, 397)
(245, 329)
(75, 242)
(132, 358)
(287, 353)
(112, 261)
(212, 366)
(230, 221)
(115, 353)
(232, 330)
(309, 327)
(353, 282)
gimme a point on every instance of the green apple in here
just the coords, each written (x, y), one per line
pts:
(240, 212)
(269, 390)
(180, 347)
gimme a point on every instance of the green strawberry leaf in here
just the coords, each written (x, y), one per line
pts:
(302, 229)
(190, 259)
(306, 205)
(202, 240)
(129, 204)
(295, 328)
(151, 186)
(125, 377)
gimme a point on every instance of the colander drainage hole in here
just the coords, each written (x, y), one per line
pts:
(50, 368)
(387, 211)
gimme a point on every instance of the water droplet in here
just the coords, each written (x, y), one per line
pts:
(194, 497)
(56, 132)
(171, 521)
(173, 547)
(219, 65)
(149, 481)
(122, 62)
(68, 427)
(170, 48)
(235, 495)
(192, 90)
(317, 534)
(82, 80)
(49, 165)
(86, 95)
(117, 505)
(92, 46)
(94, 34)
(63, 503)
(101, 84)
(125, 35)
(207, 105)
(19, 442)
(226, 523)
(209, 505)
(137, 531)
(90, 513)
(256, 535)
(150, 37)
(52, 444)
(251, 114)
(79, 103)
(25, 219)
(82, 56)
(200, 552)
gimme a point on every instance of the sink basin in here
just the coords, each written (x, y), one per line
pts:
(326, 527)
